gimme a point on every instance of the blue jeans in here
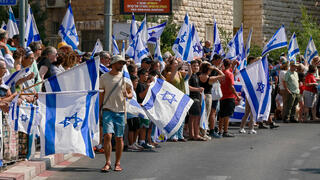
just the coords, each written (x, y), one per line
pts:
(179, 133)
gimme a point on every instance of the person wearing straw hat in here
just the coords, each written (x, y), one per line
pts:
(112, 104)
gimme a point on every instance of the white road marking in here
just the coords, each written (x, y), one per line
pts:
(305, 155)
(315, 148)
(218, 177)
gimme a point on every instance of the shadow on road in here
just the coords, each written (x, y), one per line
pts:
(311, 170)
(75, 169)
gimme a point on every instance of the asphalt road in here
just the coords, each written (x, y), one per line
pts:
(291, 152)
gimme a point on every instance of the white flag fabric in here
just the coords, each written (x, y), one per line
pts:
(140, 50)
(103, 69)
(12, 79)
(217, 46)
(196, 44)
(266, 98)
(123, 50)
(67, 122)
(203, 114)
(236, 46)
(97, 48)
(239, 111)
(180, 47)
(115, 49)
(278, 40)
(293, 48)
(23, 117)
(32, 33)
(158, 55)
(255, 85)
(311, 51)
(67, 29)
(82, 77)
(133, 29)
(155, 32)
(166, 106)
(12, 26)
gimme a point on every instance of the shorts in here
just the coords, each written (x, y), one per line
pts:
(310, 98)
(215, 104)
(227, 107)
(133, 124)
(113, 122)
(144, 123)
(195, 109)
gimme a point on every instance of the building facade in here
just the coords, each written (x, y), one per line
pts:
(264, 16)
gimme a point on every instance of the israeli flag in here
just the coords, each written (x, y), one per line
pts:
(203, 114)
(293, 48)
(157, 135)
(217, 46)
(97, 48)
(311, 51)
(12, 79)
(103, 69)
(82, 77)
(239, 111)
(158, 55)
(278, 40)
(133, 29)
(68, 31)
(12, 26)
(4, 25)
(196, 44)
(236, 47)
(23, 117)
(166, 106)
(32, 33)
(123, 50)
(255, 85)
(248, 44)
(115, 49)
(138, 47)
(180, 47)
(155, 32)
(266, 98)
(67, 122)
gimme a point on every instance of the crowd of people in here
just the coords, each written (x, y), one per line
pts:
(294, 91)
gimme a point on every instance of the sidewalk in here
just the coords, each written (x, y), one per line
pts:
(37, 168)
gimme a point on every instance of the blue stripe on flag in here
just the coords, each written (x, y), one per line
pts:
(16, 123)
(312, 56)
(55, 87)
(188, 46)
(273, 47)
(177, 115)
(92, 72)
(96, 109)
(126, 74)
(85, 127)
(294, 52)
(237, 115)
(31, 119)
(154, 91)
(50, 124)
(12, 113)
(251, 90)
(11, 78)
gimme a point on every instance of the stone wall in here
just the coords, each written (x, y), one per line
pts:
(252, 18)
(202, 13)
(287, 12)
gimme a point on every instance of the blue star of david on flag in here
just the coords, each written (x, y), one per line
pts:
(197, 48)
(170, 97)
(183, 36)
(72, 31)
(24, 118)
(261, 87)
(68, 120)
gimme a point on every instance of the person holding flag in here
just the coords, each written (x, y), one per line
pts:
(112, 104)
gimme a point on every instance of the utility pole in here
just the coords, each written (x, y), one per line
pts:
(107, 24)
(22, 17)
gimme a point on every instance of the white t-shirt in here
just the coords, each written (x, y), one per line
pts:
(281, 79)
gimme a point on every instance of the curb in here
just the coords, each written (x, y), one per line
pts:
(37, 168)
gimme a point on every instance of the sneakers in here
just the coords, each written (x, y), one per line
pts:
(242, 131)
(138, 146)
(273, 125)
(214, 135)
(146, 146)
(206, 137)
(133, 148)
(252, 131)
(226, 134)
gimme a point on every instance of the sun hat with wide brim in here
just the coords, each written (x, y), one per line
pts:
(64, 44)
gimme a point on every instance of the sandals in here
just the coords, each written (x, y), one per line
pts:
(200, 139)
(117, 167)
(106, 168)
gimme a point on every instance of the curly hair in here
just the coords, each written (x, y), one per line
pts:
(70, 60)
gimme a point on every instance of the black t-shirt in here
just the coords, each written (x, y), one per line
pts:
(140, 88)
(46, 62)
(194, 82)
